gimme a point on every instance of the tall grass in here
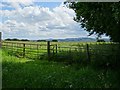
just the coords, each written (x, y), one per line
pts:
(27, 73)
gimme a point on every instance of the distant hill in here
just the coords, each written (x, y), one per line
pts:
(83, 39)
(78, 39)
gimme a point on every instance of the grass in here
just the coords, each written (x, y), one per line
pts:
(27, 73)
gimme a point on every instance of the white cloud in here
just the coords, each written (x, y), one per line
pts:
(16, 3)
(35, 22)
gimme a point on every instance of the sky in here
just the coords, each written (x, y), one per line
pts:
(25, 19)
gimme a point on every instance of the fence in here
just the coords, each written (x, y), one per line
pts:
(29, 50)
(72, 52)
(89, 51)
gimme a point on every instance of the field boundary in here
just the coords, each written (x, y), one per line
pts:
(28, 50)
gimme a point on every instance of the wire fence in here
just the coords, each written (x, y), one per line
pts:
(28, 50)
(57, 52)
(89, 52)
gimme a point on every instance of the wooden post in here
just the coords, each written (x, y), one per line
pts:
(23, 49)
(37, 52)
(0, 40)
(48, 50)
(88, 53)
(53, 50)
(56, 48)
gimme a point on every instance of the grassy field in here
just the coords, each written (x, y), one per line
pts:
(27, 73)
(101, 53)
(66, 69)
(41, 47)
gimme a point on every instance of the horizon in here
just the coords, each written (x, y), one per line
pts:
(59, 38)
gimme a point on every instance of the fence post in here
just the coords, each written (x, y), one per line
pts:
(0, 40)
(56, 48)
(37, 52)
(48, 50)
(88, 53)
(23, 49)
(53, 49)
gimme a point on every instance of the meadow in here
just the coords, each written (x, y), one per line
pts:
(66, 69)
(27, 73)
(64, 51)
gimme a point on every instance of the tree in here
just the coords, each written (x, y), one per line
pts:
(8, 39)
(24, 40)
(41, 40)
(14, 39)
(100, 40)
(54, 40)
(99, 18)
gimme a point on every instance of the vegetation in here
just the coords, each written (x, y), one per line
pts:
(66, 51)
(66, 69)
(8, 39)
(15, 39)
(83, 65)
(54, 40)
(26, 73)
(41, 40)
(99, 17)
(100, 40)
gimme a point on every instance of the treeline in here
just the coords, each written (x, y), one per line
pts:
(47, 40)
(54, 40)
(15, 39)
(100, 40)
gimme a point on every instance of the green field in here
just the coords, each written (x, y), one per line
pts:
(66, 69)
(70, 51)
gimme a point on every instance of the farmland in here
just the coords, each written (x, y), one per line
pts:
(66, 50)
(68, 68)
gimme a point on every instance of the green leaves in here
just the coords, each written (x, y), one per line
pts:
(101, 18)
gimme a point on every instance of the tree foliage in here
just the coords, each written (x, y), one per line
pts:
(98, 17)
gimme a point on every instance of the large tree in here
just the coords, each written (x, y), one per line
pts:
(99, 17)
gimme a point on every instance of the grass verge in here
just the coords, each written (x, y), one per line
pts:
(25, 73)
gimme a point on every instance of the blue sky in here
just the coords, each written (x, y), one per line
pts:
(42, 4)
(38, 20)
(48, 4)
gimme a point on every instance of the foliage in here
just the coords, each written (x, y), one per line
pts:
(98, 17)
(100, 40)
(41, 40)
(24, 40)
(15, 39)
(54, 40)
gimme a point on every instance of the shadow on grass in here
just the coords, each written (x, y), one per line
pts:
(44, 74)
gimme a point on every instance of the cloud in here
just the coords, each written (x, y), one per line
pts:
(16, 4)
(35, 22)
